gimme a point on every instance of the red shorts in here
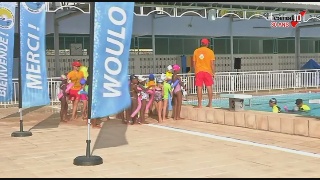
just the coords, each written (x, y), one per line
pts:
(203, 78)
(73, 95)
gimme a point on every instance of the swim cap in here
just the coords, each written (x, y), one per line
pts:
(163, 77)
(141, 78)
(159, 81)
(63, 77)
(169, 68)
(176, 67)
(273, 100)
(133, 76)
(299, 101)
(151, 77)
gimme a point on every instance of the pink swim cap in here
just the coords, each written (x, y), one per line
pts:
(176, 67)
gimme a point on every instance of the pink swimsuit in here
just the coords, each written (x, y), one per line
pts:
(177, 88)
(83, 97)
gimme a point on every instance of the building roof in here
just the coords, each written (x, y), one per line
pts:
(304, 3)
(276, 6)
(177, 9)
(313, 7)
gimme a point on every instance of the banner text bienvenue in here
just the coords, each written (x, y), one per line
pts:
(7, 21)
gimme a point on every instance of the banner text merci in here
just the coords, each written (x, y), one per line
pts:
(33, 62)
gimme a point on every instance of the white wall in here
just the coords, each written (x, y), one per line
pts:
(80, 25)
(179, 26)
(143, 64)
(220, 27)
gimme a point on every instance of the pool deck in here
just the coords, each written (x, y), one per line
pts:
(147, 150)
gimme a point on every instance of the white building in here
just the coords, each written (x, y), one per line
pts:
(163, 31)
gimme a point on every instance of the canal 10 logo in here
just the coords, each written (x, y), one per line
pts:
(34, 7)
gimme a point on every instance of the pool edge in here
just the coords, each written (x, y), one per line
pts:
(266, 121)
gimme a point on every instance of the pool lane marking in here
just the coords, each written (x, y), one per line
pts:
(229, 139)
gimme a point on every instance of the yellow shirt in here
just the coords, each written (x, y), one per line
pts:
(75, 77)
(276, 109)
(304, 107)
(151, 83)
(203, 58)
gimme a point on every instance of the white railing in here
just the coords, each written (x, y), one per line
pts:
(225, 82)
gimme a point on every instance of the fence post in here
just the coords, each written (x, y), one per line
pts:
(306, 79)
(243, 81)
(232, 83)
(295, 81)
(256, 85)
(317, 79)
(270, 81)
(50, 90)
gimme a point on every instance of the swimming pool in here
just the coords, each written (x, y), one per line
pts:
(261, 103)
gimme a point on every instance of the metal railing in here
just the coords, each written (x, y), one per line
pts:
(225, 82)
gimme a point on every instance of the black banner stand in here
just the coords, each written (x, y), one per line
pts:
(20, 133)
(88, 159)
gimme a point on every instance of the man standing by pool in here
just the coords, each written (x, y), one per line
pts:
(75, 76)
(204, 69)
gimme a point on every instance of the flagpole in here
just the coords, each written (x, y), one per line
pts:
(20, 133)
(88, 159)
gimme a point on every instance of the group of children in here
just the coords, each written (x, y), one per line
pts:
(160, 92)
(63, 96)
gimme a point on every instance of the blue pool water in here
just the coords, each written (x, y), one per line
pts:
(261, 103)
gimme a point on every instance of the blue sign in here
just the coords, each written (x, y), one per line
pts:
(34, 81)
(112, 37)
(7, 17)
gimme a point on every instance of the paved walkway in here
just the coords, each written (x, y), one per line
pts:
(145, 151)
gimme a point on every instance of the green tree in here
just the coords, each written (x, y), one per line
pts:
(251, 13)
(223, 12)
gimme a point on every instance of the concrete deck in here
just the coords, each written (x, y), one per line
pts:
(145, 151)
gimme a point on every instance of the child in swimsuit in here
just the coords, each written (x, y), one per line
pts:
(169, 72)
(127, 111)
(84, 98)
(134, 98)
(166, 92)
(158, 99)
(177, 92)
(150, 85)
(144, 98)
(63, 98)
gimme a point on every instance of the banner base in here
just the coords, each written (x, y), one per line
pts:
(87, 161)
(21, 134)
